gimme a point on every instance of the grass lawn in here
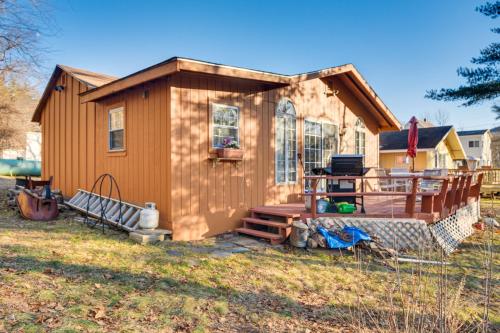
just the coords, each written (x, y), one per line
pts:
(62, 276)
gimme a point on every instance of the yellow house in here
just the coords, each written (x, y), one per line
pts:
(438, 147)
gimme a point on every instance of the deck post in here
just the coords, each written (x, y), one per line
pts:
(314, 183)
(411, 200)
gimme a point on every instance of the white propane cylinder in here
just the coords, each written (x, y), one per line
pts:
(149, 216)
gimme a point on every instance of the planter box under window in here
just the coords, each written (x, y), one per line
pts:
(230, 153)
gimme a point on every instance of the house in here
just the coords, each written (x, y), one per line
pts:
(438, 147)
(424, 123)
(477, 146)
(495, 147)
(157, 132)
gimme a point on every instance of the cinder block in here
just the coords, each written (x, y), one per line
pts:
(146, 238)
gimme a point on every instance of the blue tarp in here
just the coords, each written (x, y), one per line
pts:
(335, 242)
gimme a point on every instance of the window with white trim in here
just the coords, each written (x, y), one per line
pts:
(286, 142)
(116, 126)
(359, 137)
(320, 144)
(474, 144)
(225, 124)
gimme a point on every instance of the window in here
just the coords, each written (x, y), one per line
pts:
(474, 144)
(359, 137)
(286, 142)
(225, 124)
(320, 144)
(440, 160)
(116, 128)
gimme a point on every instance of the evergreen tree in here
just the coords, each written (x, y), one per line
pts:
(482, 81)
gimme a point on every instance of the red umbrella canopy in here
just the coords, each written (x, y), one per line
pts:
(412, 138)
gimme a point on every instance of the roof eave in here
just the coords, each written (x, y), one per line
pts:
(175, 65)
(36, 118)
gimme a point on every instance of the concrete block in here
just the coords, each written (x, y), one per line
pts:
(142, 238)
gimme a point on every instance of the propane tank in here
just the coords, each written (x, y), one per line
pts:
(149, 216)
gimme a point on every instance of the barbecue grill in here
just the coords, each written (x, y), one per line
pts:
(344, 165)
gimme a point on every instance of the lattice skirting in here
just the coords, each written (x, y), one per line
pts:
(451, 231)
(412, 234)
(391, 233)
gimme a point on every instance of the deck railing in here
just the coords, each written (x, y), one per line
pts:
(491, 176)
(453, 193)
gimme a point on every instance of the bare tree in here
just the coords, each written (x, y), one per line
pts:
(22, 25)
(441, 117)
(17, 102)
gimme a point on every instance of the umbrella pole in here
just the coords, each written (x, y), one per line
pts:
(413, 164)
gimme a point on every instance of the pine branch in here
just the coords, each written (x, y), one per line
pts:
(479, 75)
(489, 56)
(490, 9)
(470, 94)
(496, 109)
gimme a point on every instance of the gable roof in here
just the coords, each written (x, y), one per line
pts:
(91, 79)
(476, 132)
(177, 64)
(428, 138)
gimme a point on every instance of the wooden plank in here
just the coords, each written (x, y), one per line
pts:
(69, 136)
(185, 148)
(82, 142)
(75, 145)
(158, 186)
(213, 184)
(204, 146)
(194, 135)
(221, 193)
(57, 140)
(176, 140)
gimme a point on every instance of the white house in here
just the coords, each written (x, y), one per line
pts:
(477, 146)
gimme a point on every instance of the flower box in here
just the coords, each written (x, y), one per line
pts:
(230, 153)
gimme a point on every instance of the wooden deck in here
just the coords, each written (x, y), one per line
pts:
(377, 207)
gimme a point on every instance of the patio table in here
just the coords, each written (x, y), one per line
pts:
(404, 182)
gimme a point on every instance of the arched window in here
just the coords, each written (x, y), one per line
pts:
(286, 142)
(359, 137)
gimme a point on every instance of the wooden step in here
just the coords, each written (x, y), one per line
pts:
(273, 238)
(275, 212)
(274, 224)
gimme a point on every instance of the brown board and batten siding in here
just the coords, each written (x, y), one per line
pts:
(208, 200)
(68, 142)
(168, 136)
(142, 168)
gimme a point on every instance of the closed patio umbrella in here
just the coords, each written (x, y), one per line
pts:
(412, 140)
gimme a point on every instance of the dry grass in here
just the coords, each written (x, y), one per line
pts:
(63, 277)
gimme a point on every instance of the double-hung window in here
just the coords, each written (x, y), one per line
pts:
(225, 124)
(286, 142)
(320, 144)
(359, 137)
(116, 126)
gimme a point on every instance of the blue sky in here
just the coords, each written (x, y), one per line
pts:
(402, 48)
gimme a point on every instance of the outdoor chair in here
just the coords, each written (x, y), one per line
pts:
(427, 185)
(384, 184)
(401, 185)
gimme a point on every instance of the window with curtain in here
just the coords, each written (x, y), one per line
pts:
(286, 142)
(225, 124)
(359, 137)
(320, 144)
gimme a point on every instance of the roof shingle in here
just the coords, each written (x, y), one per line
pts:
(428, 137)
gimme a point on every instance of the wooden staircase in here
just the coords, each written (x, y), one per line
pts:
(268, 223)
